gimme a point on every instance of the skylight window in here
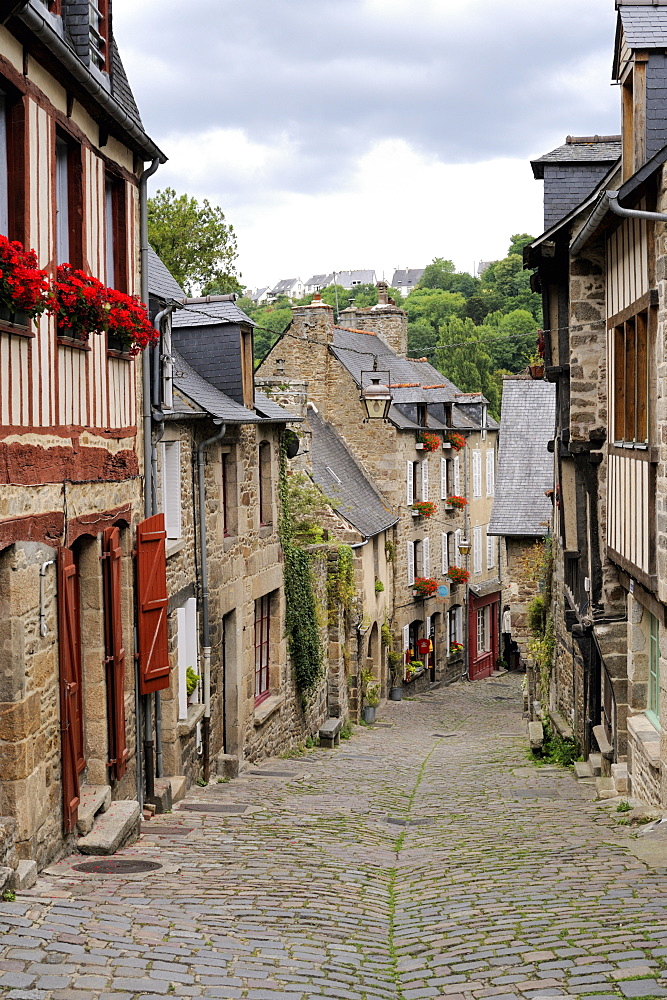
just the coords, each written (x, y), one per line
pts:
(333, 475)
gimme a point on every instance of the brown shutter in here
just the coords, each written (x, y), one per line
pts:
(115, 653)
(70, 684)
(152, 601)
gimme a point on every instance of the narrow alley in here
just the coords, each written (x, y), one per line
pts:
(425, 857)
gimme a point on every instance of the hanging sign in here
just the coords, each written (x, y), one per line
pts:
(443, 590)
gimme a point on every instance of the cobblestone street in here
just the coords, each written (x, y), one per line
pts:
(426, 857)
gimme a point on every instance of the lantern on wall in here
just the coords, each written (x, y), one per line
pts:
(376, 397)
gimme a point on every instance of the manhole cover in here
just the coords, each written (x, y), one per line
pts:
(117, 866)
(168, 831)
(409, 822)
(214, 807)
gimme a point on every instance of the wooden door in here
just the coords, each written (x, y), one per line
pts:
(114, 653)
(480, 642)
(71, 714)
(152, 604)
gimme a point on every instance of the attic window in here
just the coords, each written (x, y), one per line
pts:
(97, 33)
(333, 474)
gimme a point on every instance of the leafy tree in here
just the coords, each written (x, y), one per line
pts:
(434, 306)
(511, 338)
(463, 356)
(519, 242)
(194, 241)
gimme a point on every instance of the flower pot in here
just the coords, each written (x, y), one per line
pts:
(396, 694)
(536, 371)
(420, 447)
(446, 445)
(15, 316)
(368, 713)
(415, 513)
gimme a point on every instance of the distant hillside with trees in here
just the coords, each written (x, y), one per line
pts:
(474, 330)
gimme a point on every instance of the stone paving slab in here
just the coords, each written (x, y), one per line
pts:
(502, 880)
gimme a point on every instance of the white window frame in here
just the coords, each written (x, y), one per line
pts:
(458, 558)
(426, 556)
(409, 484)
(411, 562)
(477, 549)
(459, 623)
(490, 551)
(424, 479)
(457, 475)
(477, 474)
(406, 639)
(187, 634)
(483, 630)
(490, 472)
(444, 552)
(443, 478)
(171, 489)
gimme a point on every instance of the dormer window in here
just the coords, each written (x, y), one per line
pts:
(421, 414)
(98, 34)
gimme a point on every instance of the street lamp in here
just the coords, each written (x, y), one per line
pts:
(464, 547)
(377, 398)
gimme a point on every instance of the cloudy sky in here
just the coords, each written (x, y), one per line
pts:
(342, 134)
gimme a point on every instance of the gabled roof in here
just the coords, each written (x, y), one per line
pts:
(283, 286)
(120, 86)
(525, 467)
(407, 276)
(344, 482)
(210, 310)
(349, 278)
(594, 149)
(161, 282)
(320, 279)
(273, 412)
(644, 26)
(217, 403)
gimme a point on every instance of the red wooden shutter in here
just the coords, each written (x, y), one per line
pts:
(152, 601)
(70, 685)
(115, 652)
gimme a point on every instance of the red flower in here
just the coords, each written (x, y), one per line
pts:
(425, 586)
(458, 575)
(23, 286)
(457, 441)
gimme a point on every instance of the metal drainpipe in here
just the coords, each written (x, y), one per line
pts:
(609, 202)
(148, 470)
(206, 626)
(157, 323)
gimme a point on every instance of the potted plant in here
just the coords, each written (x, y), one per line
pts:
(129, 329)
(191, 682)
(457, 575)
(413, 668)
(372, 698)
(23, 286)
(424, 508)
(456, 502)
(379, 586)
(456, 440)
(424, 586)
(536, 365)
(395, 661)
(427, 441)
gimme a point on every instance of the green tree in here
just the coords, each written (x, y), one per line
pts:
(194, 241)
(463, 356)
(434, 306)
(511, 338)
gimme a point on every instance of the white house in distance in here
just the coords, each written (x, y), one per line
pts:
(406, 279)
(290, 288)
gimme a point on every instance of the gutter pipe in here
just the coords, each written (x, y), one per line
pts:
(206, 628)
(609, 202)
(39, 24)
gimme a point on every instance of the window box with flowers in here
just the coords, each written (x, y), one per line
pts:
(23, 286)
(457, 575)
(83, 306)
(424, 508)
(457, 441)
(427, 442)
(455, 648)
(455, 503)
(423, 587)
(415, 668)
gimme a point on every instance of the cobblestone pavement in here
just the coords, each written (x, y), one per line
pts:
(426, 857)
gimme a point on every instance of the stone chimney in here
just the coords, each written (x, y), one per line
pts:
(313, 322)
(388, 321)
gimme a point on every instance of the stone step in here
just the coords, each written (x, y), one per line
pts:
(535, 735)
(92, 800)
(606, 788)
(112, 829)
(24, 877)
(606, 749)
(179, 786)
(619, 773)
(595, 760)
(582, 769)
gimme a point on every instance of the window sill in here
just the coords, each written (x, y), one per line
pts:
(645, 732)
(229, 542)
(195, 715)
(123, 355)
(174, 546)
(16, 330)
(78, 345)
(267, 708)
(265, 530)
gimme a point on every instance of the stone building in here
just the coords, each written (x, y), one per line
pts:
(600, 267)
(524, 498)
(72, 154)
(338, 363)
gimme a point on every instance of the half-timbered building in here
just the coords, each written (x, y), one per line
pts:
(600, 266)
(72, 156)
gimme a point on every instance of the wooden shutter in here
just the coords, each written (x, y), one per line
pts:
(476, 473)
(490, 473)
(171, 487)
(459, 623)
(152, 604)
(444, 552)
(115, 652)
(406, 638)
(425, 479)
(490, 551)
(443, 478)
(477, 549)
(411, 563)
(427, 556)
(71, 722)
(409, 491)
(457, 542)
(457, 475)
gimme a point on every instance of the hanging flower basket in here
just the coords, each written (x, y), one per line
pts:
(83, 306)
(424, 586)
(456, 440)
(424, 508)
(429, 442)
(457, 503)
(23, 286)
(457, 575)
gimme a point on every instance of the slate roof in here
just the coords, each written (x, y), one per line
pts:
(590, 149)
(161, 282)
(409, 276)
(120, 86)
(525, 467)
(644, 27)
(346, 279)
(320, 279)
(283, 286)
(343, 481)
(272, 411)
(217, 403)
(210, 311)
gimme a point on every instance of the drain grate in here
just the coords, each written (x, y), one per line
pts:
(395, 821)
(117, 866)
(215, 807)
